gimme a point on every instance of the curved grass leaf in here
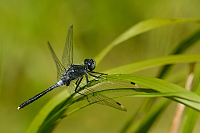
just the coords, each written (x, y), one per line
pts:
(157, 88)
(191, 116)
(137, 117)
(178, 93)
(47, 111)
(143, 115)
(152, 115)
(46, 122)
(183, 46)
(140, 28)
(189, 121)
(141, 65)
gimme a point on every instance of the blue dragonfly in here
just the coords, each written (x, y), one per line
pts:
(68, 73)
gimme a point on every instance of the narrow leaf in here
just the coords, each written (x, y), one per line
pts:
(157, 88)
(141, 65)
(140, 28)
(191, 116)
(183, 46)
(151, 117)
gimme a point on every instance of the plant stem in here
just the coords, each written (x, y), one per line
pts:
(180, 107)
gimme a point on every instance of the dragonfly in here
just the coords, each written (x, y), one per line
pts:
(67, 72)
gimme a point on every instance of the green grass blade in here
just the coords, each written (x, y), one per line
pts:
(152, 116)
(141, 65)
(140, 28)
(179, 94)
(191, 116)
(134, 121)
(189, 120)
(51, 114)
(183, 46)
(46, 111)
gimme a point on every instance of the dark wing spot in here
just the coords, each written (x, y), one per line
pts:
(118, 103)
(133, 83)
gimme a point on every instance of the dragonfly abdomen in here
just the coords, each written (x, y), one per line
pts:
(37, 96)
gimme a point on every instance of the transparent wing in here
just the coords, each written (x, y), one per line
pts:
(67, 58)
(60, 68)
(94, 86)
(104, 100)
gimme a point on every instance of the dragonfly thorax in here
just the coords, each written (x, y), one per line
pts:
(72, 73)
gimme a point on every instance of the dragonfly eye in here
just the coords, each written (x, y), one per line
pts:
(90, 64)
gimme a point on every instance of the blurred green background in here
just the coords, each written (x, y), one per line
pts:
(27, 67)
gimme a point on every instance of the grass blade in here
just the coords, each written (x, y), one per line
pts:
(141, 65)
(140, 28)
(43, 120)
(151, 117)
(47, 111)
(191, 116)
(183, 46)
(179, 94)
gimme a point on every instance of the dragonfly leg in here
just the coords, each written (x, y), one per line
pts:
(87, 81)
(94, 75)
(99, 73)
(77, 85)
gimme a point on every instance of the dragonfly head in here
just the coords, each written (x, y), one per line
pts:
(90, 64)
